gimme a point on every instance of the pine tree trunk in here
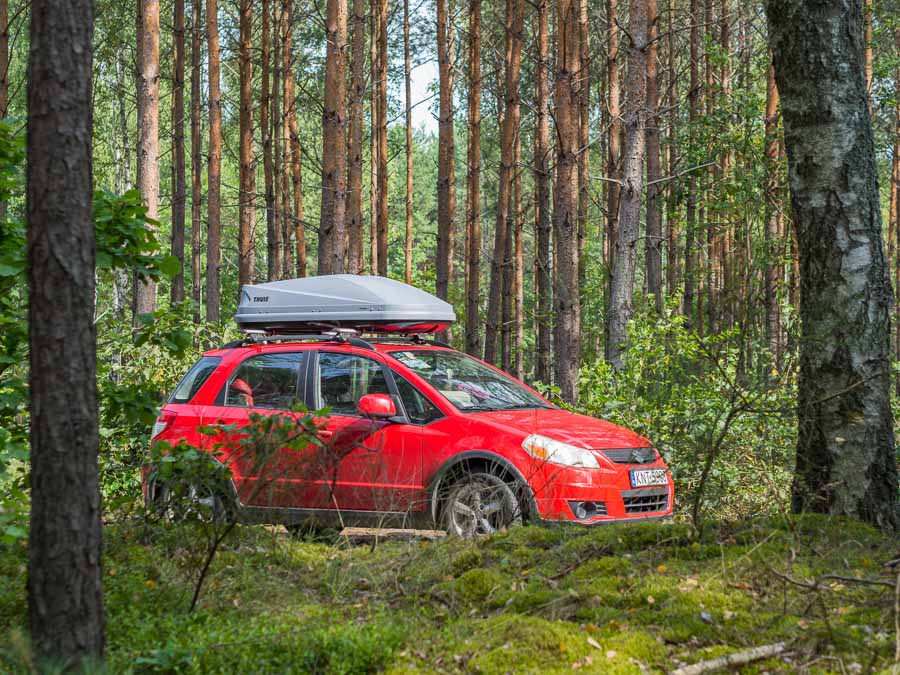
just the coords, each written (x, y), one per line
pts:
(373, 140)
(148, 133)
(65, 603)
(473, 185)
(542, 225)
(273, 245)
(287, 102)
(614, 144)
(584, 146)
(179, 196)
(515, 13)
(654, 240)
(621, 305)
(275, 134)
(446, 190)
(518, 331)
(894, 225)
(846, 464)
(771, 230)
(196, 161)
(297, 179)
(334, 158)
(355, 140)
(247, 179)
(381, 77)
(407, 68)
(691, 202)
(565, 212)
(4, 58)
(214, 167)
(673, 278)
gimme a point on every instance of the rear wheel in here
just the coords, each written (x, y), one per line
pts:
(481, 503)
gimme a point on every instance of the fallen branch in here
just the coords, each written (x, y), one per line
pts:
(736, 659)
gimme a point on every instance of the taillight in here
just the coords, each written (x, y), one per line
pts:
(163, 422)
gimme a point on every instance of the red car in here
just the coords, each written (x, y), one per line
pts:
(417, 433)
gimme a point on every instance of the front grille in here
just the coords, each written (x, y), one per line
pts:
(645, 501)
(631, 455)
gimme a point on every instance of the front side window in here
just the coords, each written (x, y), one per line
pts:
(265, 381)
(467, 384)
(343, 379)
(419, 409)
(190, 384)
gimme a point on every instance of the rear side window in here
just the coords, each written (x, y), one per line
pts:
(266, 381)
(190, 384)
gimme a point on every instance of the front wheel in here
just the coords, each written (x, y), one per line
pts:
(191, 502)
(481, 503)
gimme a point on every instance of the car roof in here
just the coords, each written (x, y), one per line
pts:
(383, 345)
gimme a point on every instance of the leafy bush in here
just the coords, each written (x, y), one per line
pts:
(727, 432)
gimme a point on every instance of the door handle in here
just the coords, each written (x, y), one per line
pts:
(325, 433)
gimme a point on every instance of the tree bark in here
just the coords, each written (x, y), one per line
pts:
(772, 227)
(65, 603)
(4, 58)
(148, 133)
(565, 212)
(584, 138)
(297, 179)
(196, 162)
(542, 225)
(515, 16)
(214, 166)
(247, 179)
(672, 219)
(179, 195)
(653, 242)
(381, 76)
(373, 139)
(355, 141)
(691, 201)
(473, 185)
(614, 144)
(846, 462)
(334, 158)
(894, 226)
(409, 145)
(446, 196)
(518, 329)
(287, 103)
(621, 305)
(273, 234)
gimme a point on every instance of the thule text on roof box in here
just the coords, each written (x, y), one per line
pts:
(363, 303)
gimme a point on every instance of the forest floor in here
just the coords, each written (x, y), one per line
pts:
(632, 598)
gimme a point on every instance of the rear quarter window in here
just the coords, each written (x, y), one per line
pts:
(190, 384)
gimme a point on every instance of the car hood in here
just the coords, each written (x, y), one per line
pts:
(578, 430)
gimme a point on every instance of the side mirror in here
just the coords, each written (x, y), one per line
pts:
(377, 406)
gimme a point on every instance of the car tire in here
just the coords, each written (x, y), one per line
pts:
(481, 503)
(199, 503)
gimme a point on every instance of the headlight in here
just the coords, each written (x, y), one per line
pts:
(557, 452)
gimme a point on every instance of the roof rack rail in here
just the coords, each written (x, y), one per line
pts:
(340, 337)
(415, 339)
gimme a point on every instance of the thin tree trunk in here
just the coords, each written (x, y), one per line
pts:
(542, 225)
(409, 144)
(894, 225)
(297, 179)
(273, 244)
(277, 145)
(654, 239)
(868, 41)
(179, 196)
(355, 140)
(334, 158)
(614, 144)
(148, 133)
(473, 185)
(123, 183)
(373, 140)
(214, 174)
(65, 602)
(446, 190)
(584, 137)
(196, 162)
(691, 203)
(287, 103)
(515, 13)
(381, 76)
(518, 332)
(621, 306)
(4, 58)
(672, 216)
(846, 463)
(565, 212)
(771, 230)
(247, 199)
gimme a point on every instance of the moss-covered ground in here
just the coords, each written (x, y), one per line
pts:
(618, 599)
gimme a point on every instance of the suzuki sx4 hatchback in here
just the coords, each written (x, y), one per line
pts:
(414, 433)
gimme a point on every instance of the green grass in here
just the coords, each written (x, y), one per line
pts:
(618, 599)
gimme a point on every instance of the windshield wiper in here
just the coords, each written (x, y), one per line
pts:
(527, 406)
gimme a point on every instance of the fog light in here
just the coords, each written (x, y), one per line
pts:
(585, 510)
(580, 510)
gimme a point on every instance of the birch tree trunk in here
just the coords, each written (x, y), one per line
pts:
(846, 462)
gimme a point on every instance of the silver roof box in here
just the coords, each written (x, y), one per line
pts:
(364, 303)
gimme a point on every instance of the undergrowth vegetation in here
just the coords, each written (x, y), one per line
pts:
(617, 599)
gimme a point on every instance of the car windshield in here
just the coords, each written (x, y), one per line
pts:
(467, 384)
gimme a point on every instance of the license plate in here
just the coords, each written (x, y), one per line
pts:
(647, 477)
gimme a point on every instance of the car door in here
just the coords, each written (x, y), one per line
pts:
(266, 384)
(375, 465)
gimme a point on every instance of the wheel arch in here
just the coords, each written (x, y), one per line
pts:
(473, 461)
